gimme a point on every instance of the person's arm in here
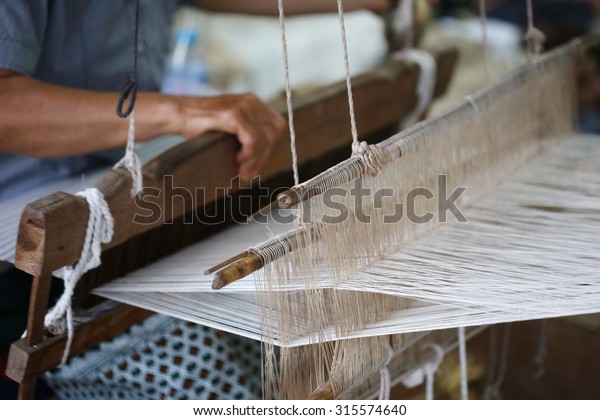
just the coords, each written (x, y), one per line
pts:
(292, 7)
(43, 120)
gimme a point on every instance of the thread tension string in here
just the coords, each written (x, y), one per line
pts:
(288, 92)
(129, 90)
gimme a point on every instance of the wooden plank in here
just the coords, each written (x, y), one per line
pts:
(52, 229)
(38, 305)
(27, 362)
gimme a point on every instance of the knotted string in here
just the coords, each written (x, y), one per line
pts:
(371, 155)
(533, 37)
(129, 90)
(99, 230)
(288, 93)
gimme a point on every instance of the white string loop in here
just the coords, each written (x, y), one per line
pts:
(427, 371)
(384, 372)
(426, 83)
(99, 230)
(131, 160)
(431, 368)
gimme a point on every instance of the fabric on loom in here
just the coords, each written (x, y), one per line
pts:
(164, 358)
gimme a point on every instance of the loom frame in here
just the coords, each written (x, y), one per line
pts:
(52, 229)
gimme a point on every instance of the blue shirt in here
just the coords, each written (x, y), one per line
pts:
(86, 44)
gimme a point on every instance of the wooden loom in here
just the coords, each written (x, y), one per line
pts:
(52, 229)
(464, 128)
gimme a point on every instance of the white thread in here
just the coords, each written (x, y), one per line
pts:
(489, 391)
(131, 160)
(431, 368)
(426, 82)
(462, 351)
(99, 230)
(492, 389)
(471, 101)
(384, 372)
(371, 155)
(427, 371)
(348, 81)
(533, 37)
(288, 93)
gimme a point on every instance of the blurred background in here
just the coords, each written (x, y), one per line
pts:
(223, 53)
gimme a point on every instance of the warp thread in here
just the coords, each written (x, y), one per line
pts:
(462, 353)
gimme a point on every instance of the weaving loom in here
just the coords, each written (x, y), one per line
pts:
(314, 281)
(413, 277)
(52, 229)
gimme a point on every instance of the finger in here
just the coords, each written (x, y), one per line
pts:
(251, 142)
(249, 169)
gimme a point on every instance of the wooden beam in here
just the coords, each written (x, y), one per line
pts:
(28, 362)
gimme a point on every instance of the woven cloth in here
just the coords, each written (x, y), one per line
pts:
(164, 358)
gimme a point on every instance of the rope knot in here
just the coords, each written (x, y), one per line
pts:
(535, 39)
(99, 230)
(371, 155)
(131, 161)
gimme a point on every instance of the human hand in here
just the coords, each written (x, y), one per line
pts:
(256, 125)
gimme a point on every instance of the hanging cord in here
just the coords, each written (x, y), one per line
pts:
(427, 371)
(129, 90)
(386, 383)
(462, 352)
(288, 92)
(99, 230)
(372, 156)
(431, 368)
(288, 96)
(533, 37)
(492, 389)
